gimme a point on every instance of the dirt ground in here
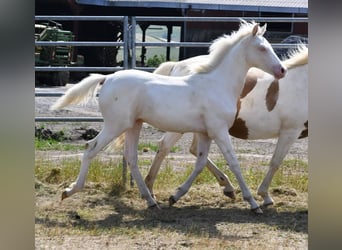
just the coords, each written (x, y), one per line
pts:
(94, 219)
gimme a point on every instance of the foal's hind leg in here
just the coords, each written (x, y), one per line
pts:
(168, 140)
(106, 135)
(131, 154)
(286, 139)
(222, 179)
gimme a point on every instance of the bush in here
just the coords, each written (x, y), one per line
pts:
(46, 134)
(155, 61)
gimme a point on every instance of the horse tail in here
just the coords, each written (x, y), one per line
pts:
(80, 92)
(119, 141)
(165, 68)
(116, 144)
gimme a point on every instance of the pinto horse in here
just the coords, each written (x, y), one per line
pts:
(179, 104)
(267, 108)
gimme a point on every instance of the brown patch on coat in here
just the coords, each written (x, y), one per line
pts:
(251, 80)
(249, 85)
(272, 95)
(239, 129)
(238, 107)
(305, 132)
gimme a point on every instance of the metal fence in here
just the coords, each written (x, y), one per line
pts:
(124, 43)
(137, 19)
(129, 44)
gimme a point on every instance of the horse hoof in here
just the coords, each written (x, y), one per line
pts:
(230, 194)
(268, 204)
(172, 200)
(64, 195)
(257, 210)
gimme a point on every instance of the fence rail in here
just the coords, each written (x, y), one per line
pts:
(129, 44)
(221, 19)
(75, 68)
(73, 43)
(68, 119)
(80, 18)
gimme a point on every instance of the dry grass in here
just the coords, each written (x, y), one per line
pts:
(109, 215)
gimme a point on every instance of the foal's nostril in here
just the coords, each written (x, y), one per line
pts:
(282, 70)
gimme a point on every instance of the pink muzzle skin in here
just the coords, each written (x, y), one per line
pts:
(279, 72)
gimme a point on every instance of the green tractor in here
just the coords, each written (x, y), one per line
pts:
(54, 55)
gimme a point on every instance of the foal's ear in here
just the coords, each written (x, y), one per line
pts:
(255, 29)
(263, 29)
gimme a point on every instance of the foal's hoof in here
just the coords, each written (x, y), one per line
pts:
(172, 200)
(268, 204)
(154, 207)
(230, 194)
(64, 195)
(257, 210)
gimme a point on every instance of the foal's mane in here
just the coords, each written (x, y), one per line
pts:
(220, 47)
(297, 57)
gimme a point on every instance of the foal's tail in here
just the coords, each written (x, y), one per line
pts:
(80, 92)
(165, 68)
(116, 144)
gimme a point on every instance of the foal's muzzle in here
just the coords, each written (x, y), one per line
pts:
(279, 72)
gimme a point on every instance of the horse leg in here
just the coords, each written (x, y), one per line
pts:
(202, 153)
(222, 179)
(286, 139)
(224, 142)
(131, 155)
(93, 146)
(168, 140)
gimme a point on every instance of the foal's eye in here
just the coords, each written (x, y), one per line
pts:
(262, 48)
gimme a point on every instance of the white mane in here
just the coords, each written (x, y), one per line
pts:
(297, 57)
(223, 44)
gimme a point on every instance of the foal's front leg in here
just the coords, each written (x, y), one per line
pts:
(202, 153)
(223, 140)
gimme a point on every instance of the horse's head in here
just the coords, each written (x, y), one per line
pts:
(260, 54)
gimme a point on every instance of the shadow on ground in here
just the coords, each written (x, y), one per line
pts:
(192, 219)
